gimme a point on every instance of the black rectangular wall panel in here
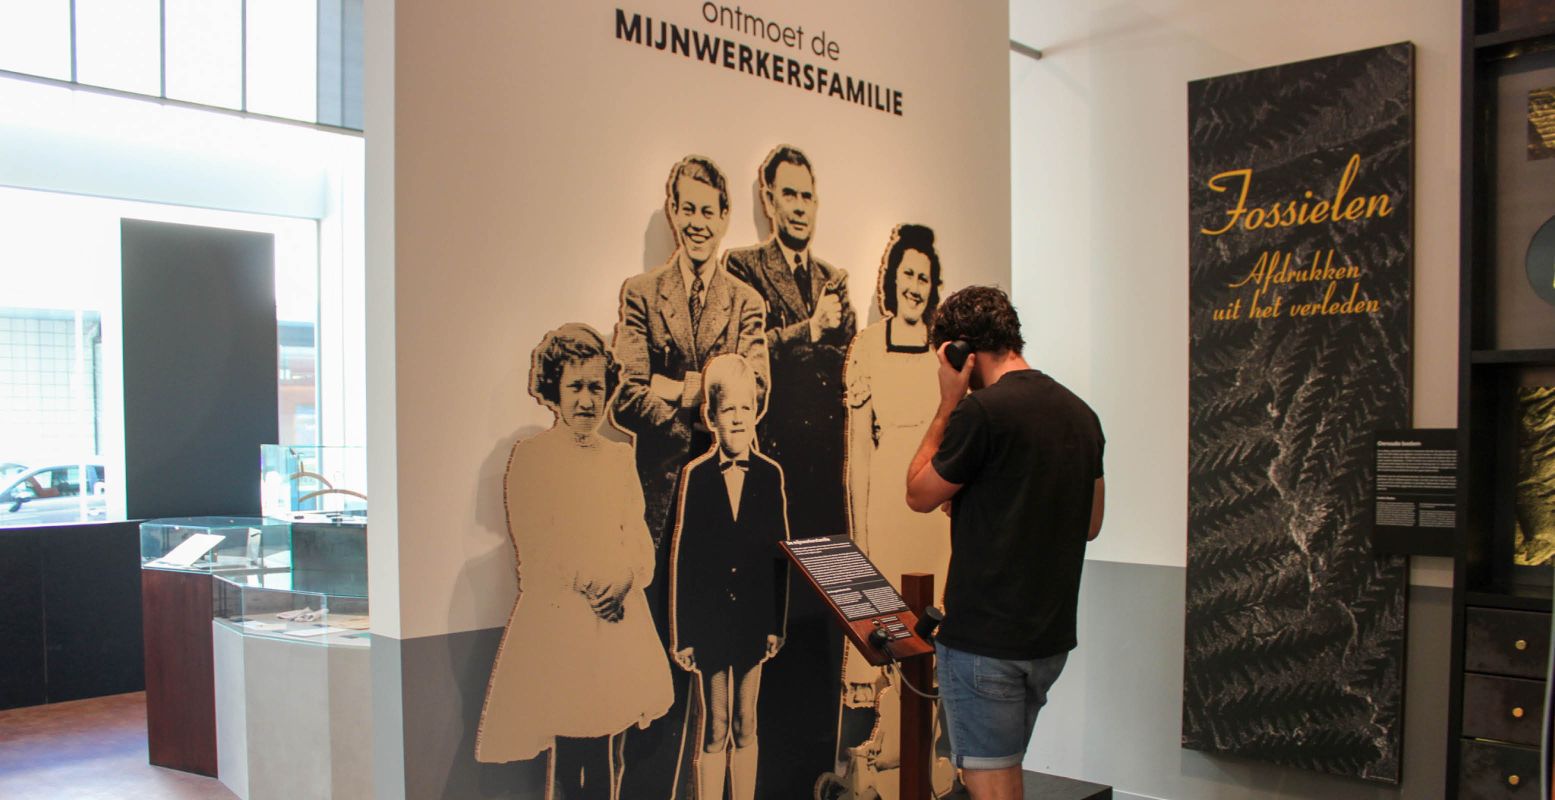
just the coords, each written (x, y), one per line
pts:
(91, 590)
(1300, 268)
(199, 367)
(72, 626)
(22, 666)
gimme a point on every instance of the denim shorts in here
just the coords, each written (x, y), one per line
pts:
(990, 705)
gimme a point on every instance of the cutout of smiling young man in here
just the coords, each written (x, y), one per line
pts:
(1020, 461)
(674, 319)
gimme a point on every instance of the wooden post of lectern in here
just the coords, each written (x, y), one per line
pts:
(917, 740)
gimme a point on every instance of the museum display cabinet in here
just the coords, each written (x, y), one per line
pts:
(257, 659)
(178, 559)
(234, 544)
(1506, 397)
(319, 597)
(293, 673)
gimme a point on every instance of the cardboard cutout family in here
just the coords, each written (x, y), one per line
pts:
(653, 596)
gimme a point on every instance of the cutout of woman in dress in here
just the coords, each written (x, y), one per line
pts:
(890, 384)
(890, 380)
(580, 661)
(728, 576)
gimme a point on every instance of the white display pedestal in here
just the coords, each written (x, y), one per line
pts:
(293, 717)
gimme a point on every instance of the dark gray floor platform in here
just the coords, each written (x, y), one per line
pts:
(1052, 787)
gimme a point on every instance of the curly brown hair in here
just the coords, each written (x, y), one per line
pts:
(982, 316)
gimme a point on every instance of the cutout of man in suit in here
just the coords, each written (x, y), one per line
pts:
(729, 578)
(674, 319)
(809, 325)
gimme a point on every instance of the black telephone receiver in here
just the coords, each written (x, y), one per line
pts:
(957, 352)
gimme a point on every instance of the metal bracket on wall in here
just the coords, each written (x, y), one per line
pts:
(1026, 50)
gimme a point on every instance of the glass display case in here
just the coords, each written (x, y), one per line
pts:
(215, 544)
(303, 482)
(330, 556)
(272, 605)
(319, 596)
(273, 610)
(180, 558)
(292, 664)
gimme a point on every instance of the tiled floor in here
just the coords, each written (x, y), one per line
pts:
(89, 750)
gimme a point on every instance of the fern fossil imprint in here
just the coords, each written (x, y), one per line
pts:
(1295, 629)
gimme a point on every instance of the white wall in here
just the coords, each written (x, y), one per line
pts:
(1100, 205)
(378, 67)
(523, 181)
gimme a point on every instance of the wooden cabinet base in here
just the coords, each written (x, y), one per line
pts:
(180, 681)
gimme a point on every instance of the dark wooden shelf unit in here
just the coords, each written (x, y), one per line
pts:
(1515, 357)
(1501, 613)
(1513, 598)
(1520, 38)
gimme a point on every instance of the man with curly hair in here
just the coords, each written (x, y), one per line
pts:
(1019, 459)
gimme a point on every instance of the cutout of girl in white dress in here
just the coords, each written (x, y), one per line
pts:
(580, 661)
(892, 394)
(728, 577)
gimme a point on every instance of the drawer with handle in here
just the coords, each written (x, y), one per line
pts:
(1505, 642)
(1498, 771)
(1508, 709)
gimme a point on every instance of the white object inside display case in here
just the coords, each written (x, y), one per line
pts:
(193, 549)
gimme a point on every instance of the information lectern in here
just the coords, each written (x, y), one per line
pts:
(883, 625)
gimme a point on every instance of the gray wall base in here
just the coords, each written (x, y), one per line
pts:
(433, 689)
(1115, 715)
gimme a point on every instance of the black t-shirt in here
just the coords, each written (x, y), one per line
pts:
(1028, 453)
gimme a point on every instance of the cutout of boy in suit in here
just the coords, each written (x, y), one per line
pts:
(728, 577)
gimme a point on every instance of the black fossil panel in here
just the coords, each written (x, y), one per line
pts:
(1300, 262)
